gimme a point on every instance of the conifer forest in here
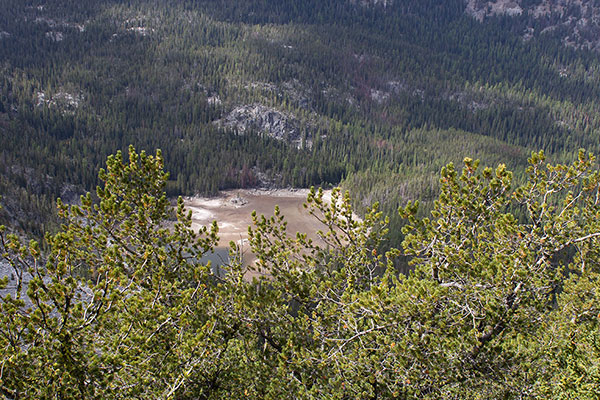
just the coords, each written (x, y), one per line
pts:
(458, 256)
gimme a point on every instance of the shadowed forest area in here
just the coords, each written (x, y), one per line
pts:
(278, 94)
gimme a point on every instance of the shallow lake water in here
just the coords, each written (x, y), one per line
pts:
(218, 257)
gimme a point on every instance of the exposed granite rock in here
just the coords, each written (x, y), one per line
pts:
(7, 271)
(577, 21)
(83, 293)
(368, 3)
(55, 36)
(379, 96)
(65, 101)
(479, 9)
(258, 117)
(60, 24)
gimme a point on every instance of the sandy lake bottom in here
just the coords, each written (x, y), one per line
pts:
(233, 212)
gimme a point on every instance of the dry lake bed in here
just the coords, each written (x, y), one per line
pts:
(233, 212)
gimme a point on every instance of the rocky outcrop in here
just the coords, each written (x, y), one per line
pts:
(16, 276)
(577, 21)
(65, 101)
(257, 117)
(479, 9)
(368, 3)
(13, 275)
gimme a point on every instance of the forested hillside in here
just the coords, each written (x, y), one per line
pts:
(375, 95)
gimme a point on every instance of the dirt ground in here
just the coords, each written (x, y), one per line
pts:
(233, 213)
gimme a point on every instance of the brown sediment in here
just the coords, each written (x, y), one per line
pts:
(233, 212)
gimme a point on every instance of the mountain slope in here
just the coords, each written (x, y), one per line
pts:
(576, 23)
(378, 95)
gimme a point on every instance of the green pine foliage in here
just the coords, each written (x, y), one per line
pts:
(502, 301)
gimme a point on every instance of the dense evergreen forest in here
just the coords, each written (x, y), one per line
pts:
(376, 98)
